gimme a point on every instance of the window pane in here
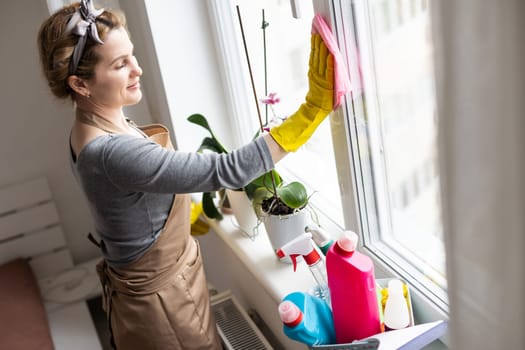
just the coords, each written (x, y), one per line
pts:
(398, 80)
(287, 53)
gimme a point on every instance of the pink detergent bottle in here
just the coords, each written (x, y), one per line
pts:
(352, 287)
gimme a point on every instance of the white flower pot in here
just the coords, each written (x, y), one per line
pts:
(243, 211)
(284, 228)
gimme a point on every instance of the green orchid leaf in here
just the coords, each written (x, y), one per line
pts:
(210, 144)
(265, 180)
(293, 195)
(257, 134)
(250, 190)
(259, 195)
(208, 206)
(201, 120)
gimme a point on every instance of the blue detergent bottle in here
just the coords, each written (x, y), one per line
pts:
(307, 319)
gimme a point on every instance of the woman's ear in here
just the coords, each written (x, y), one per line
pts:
(78, 85)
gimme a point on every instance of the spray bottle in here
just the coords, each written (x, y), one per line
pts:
(303, 245)
(320, 237)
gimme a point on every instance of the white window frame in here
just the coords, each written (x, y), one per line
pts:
(430, 301)
(427, 306)
(239, 90)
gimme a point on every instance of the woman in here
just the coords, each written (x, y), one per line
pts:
(137, 186)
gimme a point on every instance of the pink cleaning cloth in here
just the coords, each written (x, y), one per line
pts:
(341, 78)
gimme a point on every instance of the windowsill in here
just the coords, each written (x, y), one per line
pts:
(276, 277)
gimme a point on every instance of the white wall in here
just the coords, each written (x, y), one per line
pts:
(187, 56)
(35, 126)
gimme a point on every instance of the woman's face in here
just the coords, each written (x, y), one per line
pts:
(117, 74)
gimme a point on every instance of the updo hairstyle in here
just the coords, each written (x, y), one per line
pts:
(56, 47)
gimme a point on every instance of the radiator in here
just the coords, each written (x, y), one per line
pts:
(236, 328)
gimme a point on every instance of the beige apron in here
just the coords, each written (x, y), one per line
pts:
(161, 300)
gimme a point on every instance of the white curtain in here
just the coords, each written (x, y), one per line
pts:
(480, 66)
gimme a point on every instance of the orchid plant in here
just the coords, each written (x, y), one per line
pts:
(211, 143)
(268, 193)
(277, 198)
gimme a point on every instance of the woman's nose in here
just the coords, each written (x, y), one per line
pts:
(136, 67)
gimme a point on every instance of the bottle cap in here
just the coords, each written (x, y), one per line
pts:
(312, 257)
(290, 313)
(348, 241)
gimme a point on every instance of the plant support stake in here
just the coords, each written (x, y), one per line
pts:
(250, 70)
(253, 87)
(264, 25)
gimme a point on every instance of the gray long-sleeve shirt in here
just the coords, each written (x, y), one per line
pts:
(130, 184)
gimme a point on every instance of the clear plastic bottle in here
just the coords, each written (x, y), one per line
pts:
(304, 246)
(318, 271)
(352, 285)
(396, 314)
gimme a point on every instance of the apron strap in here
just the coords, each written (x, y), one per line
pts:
(107, 296)
(103, 124)
(93, 240)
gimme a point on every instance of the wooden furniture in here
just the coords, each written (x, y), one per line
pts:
(43, 291)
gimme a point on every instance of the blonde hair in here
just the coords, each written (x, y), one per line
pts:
(56, 47)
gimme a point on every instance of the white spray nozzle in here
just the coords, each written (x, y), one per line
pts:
(301, 245)
(320, 236)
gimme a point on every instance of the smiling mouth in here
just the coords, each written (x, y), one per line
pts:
(135, 85)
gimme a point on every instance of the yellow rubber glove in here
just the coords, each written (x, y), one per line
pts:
(198, 225)
(319, 101)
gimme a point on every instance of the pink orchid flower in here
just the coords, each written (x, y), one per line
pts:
(271, 99)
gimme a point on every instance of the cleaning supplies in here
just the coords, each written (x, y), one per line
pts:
(320, 237)
(396, 314)
(352, 285)
(304, 246)
(307, 319)
(379, 295)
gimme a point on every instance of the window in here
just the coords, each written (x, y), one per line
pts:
(374, 165)
(287, 53)
(393, 129)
